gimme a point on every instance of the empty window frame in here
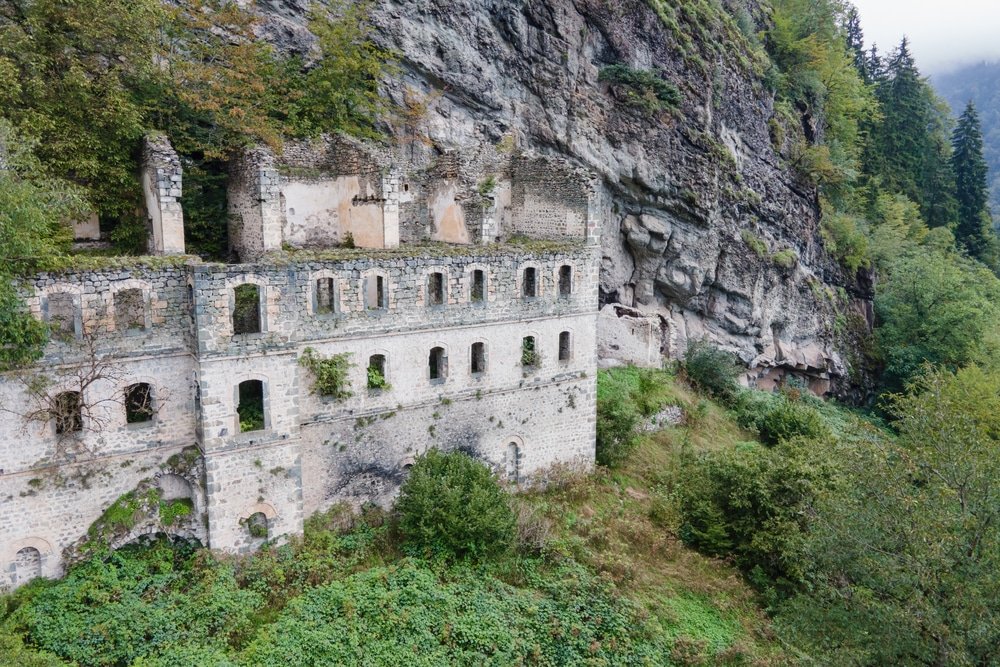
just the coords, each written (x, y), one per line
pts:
(565, 281)
(130, 310)
(376, 293)
(326, 297)
(138, 403)
(246, 309)
(67, 411)
(565, 346)
(529, 283)
(435, 289)
(512, 463)
(27, 565)
(529, 353)
(477, 294)
(61, 314)
(376, 373)
(257, 526)
(477, 361)
(250, 408)
(437, 363)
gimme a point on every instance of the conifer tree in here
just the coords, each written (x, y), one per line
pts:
(856, 42)
(974, 230)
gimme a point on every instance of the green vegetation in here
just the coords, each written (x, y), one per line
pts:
(451, 507)
(640, 88)
(329, 373)
(86, 80)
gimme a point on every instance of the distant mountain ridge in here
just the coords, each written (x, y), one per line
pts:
(981, 84)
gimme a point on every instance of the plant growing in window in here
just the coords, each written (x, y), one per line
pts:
(529, 353)
(330, 377)
(376, 374)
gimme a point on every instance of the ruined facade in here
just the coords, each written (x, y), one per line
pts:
(177, 391)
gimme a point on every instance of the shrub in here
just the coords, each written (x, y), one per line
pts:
(786, 258)
(452, 506)
(712, 370)
(617, 429)
(330, 373)
(750, 502)
(754, 242)
(846, 241)
(640, 88)
(776, 417)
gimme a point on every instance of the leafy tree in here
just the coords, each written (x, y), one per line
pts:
(974, 231)
(452, 506)
(67, 75)
(935, 307)
(34, 224)
(904, 559)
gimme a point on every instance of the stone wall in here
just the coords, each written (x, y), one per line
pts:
(162, 187)
(172, 327)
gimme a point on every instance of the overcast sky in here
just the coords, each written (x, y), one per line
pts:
(944, 33)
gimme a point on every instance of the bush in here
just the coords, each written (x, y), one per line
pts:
(846, 240)
(617, 429)
(640, 88)
(750, 502)
(330, 373)
(776, 417)
(452, 506)
(713, 370)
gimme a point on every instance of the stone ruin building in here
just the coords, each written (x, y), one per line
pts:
(467, 311)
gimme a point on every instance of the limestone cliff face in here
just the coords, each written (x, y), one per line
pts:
(708, 233)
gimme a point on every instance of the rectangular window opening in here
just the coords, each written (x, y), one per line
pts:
(478, 361)
(438, 364)
(529, 352)
(565, 281)
(138, 403)
(325, 301)
(130, 310)
(62, 315)
(67, 409)
(435, 289)
(529, 287)
(564, 346)
(250, 408)
(376, 373)
(478, 286)
(246, 309)
(376, 294)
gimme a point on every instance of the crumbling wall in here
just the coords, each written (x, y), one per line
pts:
(162, 187)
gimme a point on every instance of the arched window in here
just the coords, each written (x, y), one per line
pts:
(565, 351)
(436, 289)
(529, 283)
(565, 281)
(257, 526)
(138, 403)
(477, 361)
(477, 293)
(376, 374)
(130, 310)
(27, 565)
(250, 408)
(438, 365)
(326, 301)
(61, 314)
(67, 411)
(529, 353)
(246, 309)
(512, 463)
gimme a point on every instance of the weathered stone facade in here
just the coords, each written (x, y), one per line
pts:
(488, 348)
